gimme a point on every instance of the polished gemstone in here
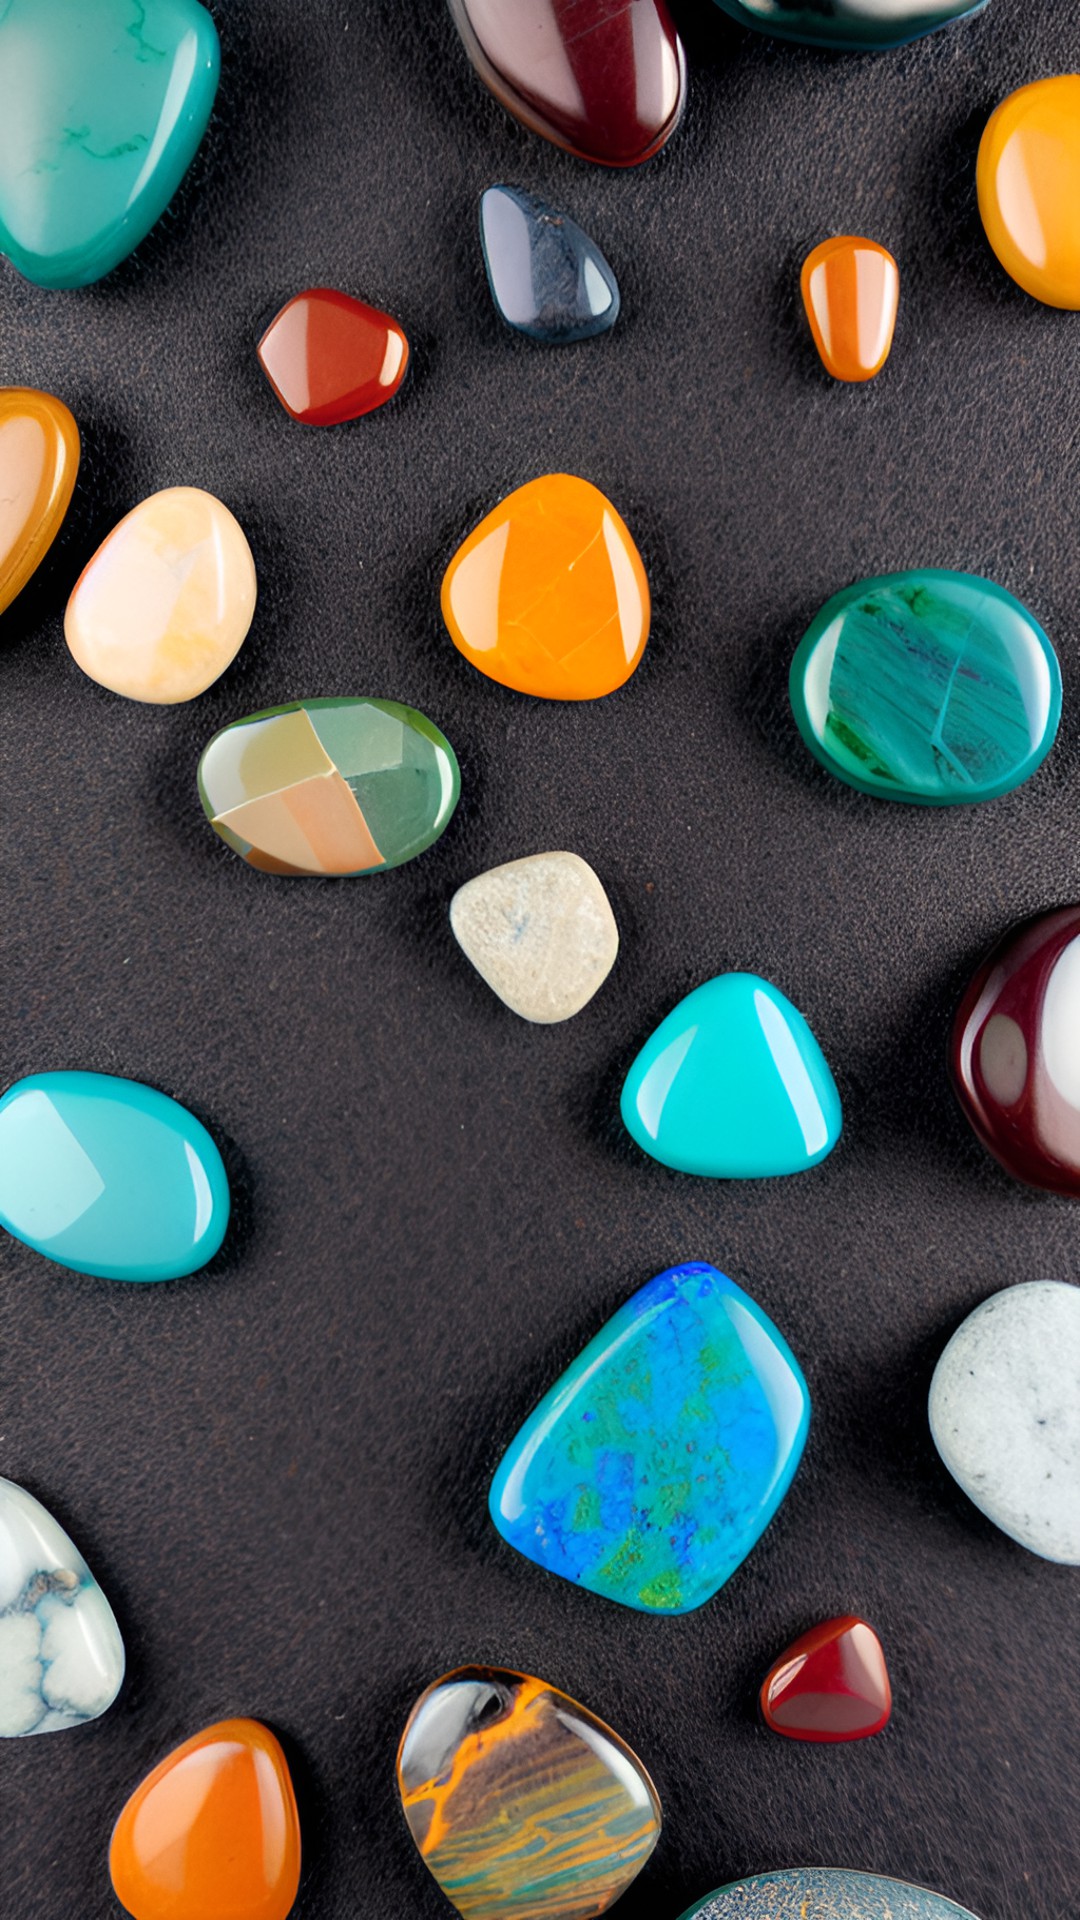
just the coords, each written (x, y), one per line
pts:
(61, 1655)
(932, 687)
(547, 278)
(102, 105)
(1015, 1055)
(831, 1684)
(540, 931)
(604, 78)
(1005, 1414)
(110, 1177)
(854, 25)
(212, 1833)
(39, 458)
(523, 1805)
(166, 601)
(1028, 177)
(733, 1084)
(824, 1893)
(656, 1462)
(851, 291)
(329, 786)
(330, 358)
(548, 594)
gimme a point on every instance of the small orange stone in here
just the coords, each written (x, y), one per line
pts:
(212, 1833)
(1028, 177)
(39, 458)
(851, 291)
(548, 595)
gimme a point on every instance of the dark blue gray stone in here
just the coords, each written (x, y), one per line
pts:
(824, 1893)
(547, 278)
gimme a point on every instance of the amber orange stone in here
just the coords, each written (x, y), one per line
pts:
(1028, 177)
(851, 291)
(39, 458)
(212, 1833)
(548, 595)
(330, 358)
(832, 1684)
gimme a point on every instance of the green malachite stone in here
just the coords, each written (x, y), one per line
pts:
(933, 687)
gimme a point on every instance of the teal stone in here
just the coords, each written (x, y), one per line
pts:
(102, 106)
(854, 26)
(656, 1462)
(733, 1084)
(824, 1893)
(932, 687)
(109, 1177)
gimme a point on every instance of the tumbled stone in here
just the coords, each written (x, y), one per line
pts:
(1005, 1414)
(102, 106)
(931, 687)
(824, 1893)
(547, 278)
(1028, 176)
(331, 358)
(831, 1684)
(605, 79)
(548, 594)
(39, 458)
(335, 786)
(521, 1802)
(853, 25)
(733, 1085)
(74, 1150)
(1015, 1053)
(540, 931)
(851, 292)
(166, 602)
(212, 1831)
(656, 1462)
(61, 1655)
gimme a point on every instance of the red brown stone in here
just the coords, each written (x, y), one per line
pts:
(830, 1685)
(331, 358)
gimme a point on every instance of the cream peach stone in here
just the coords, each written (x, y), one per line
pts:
(165, 603)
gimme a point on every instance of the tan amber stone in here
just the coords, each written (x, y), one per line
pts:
(851, 291)
(39, 458)
(1028, 178)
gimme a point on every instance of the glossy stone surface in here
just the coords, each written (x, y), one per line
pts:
(851, 25)
(831, 1684)
(39, 458)
(329, 786)
(1028, 176)
(851, 292)
(604, 78)
(107, 1176)
(331, 358)
(102, 106)
(166, 602)
(931, 687)
(733, 1084)
(540, 931)
(548, 594)
(1015, 1053)
(824, 1893)
(522, 1803)
(547, 278)
(1005, 1414)
(656, 1462)
(212, 1833)
(61, 1655)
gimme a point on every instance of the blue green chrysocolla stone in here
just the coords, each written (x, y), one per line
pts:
(824, 1893)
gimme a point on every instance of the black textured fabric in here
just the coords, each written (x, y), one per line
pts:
(278, 1469)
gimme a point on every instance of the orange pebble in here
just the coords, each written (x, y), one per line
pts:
(212, 1833)
(39, 458)
(851, 290)
(1028, 177)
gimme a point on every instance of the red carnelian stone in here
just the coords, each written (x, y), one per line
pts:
(831, 1685)
(330, 358)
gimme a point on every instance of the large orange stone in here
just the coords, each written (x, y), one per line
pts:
(1028, 178)
(212, 1833)
(851, 291)
(548, 595)
(39, 458)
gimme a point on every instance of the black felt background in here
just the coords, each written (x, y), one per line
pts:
(278, 1469)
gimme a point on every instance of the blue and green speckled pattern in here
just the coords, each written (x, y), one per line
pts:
(927, 686)
(824, 1893)
(655, 1463)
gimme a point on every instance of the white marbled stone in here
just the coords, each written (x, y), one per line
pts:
(1005, 1414)
(540, 931)
(61, 1655)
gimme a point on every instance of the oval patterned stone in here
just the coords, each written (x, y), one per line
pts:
(928, 686)
(334, 786)
(1028, 176)
(824, 1893)
(39, 459)
(523, 1805)
(854, 25)
(110, 1177)
(61, 1655)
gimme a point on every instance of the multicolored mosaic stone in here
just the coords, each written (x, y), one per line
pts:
(61, 1655)
(824, 1893)
(524, 1806)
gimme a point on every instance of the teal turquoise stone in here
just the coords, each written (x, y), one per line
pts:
(102, 106)
(107, 1176)
(733, 1084)
(657, 1461)
(932, 687)
(855, 26)
(824, 1893)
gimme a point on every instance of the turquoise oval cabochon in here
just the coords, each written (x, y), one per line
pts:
(824, 1893)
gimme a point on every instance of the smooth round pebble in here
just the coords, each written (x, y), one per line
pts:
(540, 931)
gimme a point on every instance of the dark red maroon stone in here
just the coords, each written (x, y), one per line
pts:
(331, 358)
(830, 1685)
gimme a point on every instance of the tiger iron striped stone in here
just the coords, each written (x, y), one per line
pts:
(523, 1805)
